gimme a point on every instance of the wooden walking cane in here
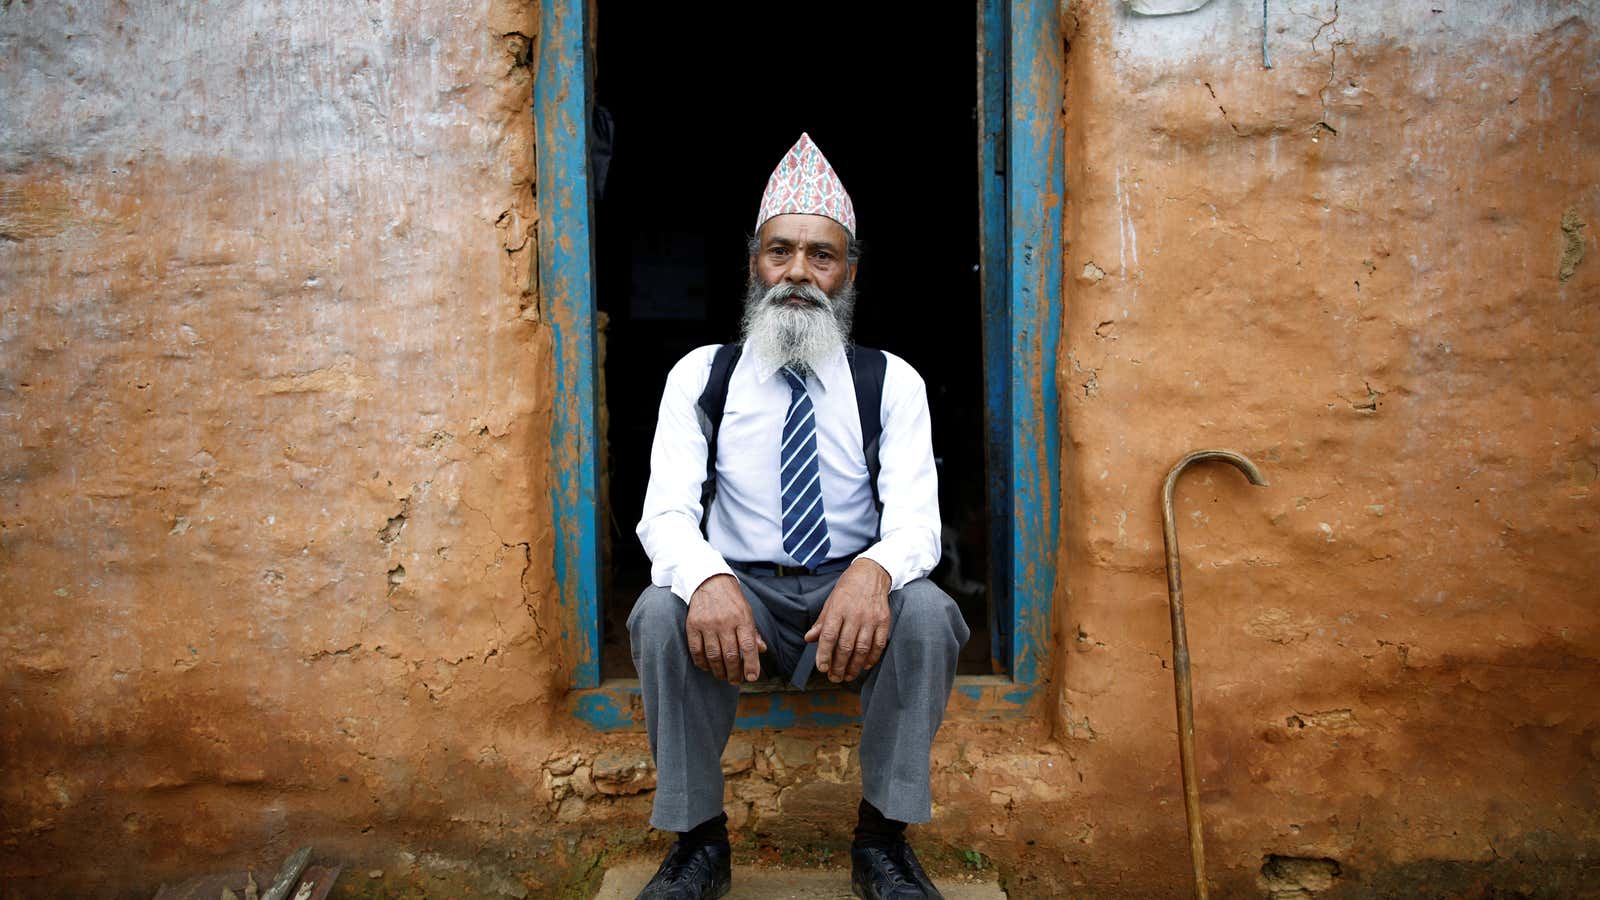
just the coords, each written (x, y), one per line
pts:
(1184, 687)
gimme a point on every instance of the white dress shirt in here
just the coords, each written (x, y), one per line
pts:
(746, 520)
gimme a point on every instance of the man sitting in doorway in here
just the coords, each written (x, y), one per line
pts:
(773, 548)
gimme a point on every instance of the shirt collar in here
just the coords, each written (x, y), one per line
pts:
(828, 374)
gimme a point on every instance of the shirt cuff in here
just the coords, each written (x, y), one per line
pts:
(891, 562)
(688, 576)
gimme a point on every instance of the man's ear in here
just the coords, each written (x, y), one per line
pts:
(852, 276)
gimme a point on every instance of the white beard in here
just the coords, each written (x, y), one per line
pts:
(803, 337)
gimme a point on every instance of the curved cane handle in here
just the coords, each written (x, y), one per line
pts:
(1183, 686)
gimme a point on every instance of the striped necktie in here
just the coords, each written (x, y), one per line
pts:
(805, 530)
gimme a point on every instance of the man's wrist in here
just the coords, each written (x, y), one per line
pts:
(878, 569)
(874, 570)
(710, 582)
(873, 564)
(694, 575)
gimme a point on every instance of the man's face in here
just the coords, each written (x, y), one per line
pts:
(802, 249)
(802, 292)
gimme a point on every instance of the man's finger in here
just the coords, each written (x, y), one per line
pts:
(714, 656)
(697, 651)
(858, 659)
(839, 669)
(827, 635)
(880, 642)
(748, 653)
(731, 656)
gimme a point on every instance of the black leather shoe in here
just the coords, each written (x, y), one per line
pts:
(879, 872)
(699, 872)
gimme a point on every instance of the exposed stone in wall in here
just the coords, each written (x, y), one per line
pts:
(795, 791)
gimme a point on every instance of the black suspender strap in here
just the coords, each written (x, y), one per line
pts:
(867, 368)
(712, 400)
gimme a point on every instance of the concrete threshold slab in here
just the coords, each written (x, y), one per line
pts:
(625, 880)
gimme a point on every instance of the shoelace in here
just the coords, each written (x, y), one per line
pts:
(894, 870)
(687, 862)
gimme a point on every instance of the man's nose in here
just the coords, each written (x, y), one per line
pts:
(798, 271)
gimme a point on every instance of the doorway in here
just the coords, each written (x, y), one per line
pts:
(686, 129)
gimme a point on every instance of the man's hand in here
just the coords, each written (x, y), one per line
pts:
(853, 629)
(723, 638)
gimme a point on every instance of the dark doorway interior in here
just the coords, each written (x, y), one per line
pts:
(699, 112)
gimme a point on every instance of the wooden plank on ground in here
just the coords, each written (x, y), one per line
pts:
(289, 875)
(317, 882)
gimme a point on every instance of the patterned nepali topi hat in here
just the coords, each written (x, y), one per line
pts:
(805, 183)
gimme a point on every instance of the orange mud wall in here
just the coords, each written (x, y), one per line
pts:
(275, 532)
(274, 525)
(1371, 270)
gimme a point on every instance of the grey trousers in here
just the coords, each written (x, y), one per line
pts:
(690, 713)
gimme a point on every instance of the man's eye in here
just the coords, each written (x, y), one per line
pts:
(777, 251)
(823, 256)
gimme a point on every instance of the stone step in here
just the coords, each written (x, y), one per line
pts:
(625, 880)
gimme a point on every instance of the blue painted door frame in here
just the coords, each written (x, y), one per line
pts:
(1022, 175)
(566, 296)
(1035, 182)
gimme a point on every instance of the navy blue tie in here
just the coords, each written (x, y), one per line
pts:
(805, 529)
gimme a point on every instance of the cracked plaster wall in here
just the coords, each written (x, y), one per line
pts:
(274, 521)
(1355, 268)
(275, 544)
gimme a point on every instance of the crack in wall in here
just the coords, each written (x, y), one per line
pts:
(527, 593)
(519, 223)
(343, 652)
(1220, 109)
(1334, 41)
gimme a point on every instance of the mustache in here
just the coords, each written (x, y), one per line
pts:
(812, 294)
